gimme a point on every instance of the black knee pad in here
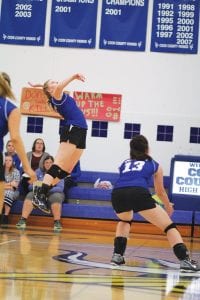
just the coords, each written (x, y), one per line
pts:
(170, 226)
(129, 222)
(56, 172)
(181, 251)
(44, 189)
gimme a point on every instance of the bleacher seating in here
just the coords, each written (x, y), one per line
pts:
(197, 218)
(89, 193)
(85, 201)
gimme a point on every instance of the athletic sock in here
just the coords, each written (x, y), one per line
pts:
(181, 251)
(120, 245)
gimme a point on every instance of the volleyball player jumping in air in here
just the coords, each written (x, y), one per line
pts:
(72, 137)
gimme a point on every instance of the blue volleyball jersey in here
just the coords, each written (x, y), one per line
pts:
(136, 173)
(69, 110)
(6, 107)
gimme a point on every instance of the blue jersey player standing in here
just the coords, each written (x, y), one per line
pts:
(10, 122)
(72, 137)
(131, 194)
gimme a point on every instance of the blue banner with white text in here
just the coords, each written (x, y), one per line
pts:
(175, 26)
(22, 22)
(73, 23)
(123, 25)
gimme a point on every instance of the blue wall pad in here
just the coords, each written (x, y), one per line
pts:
(92, 176)
(182, 203)
(89, 194)
(197, 218)
(105, 212)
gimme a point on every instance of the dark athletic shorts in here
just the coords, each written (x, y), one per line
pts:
(132, 198)
(1, 168)
(75, 135)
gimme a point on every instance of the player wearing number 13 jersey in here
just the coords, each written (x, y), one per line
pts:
(131, 194)
(131, 189)
(136, 173)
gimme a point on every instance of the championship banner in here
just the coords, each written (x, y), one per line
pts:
(123, 25)
(22, 22)
(175, 26)
(35, 102)
(73, 23)
(98, 106)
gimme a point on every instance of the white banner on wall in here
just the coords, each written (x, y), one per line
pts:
(186, 178)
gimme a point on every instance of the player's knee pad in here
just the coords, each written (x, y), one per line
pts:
(181, 251)
(56, 172)
(129, 222)
(170, 226)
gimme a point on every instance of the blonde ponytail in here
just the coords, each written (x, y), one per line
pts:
(5, 86)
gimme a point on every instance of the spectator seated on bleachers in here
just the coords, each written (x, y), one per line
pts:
(12, 179)
(55, 198)
(10, 150)
(36, 158)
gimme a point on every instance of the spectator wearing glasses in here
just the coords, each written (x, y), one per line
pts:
(36, 158)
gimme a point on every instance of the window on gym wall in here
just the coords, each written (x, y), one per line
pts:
(165, 133)
(34, 125)
(99, 129)
(195, 135)
(131, 129)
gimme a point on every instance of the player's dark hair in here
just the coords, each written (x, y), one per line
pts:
(49, 157)
(139, 148)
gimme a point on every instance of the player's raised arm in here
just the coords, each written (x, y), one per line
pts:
(58, 91)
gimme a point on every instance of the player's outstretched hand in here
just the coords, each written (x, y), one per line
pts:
(79, 76)
(31, 174)
(169, 208)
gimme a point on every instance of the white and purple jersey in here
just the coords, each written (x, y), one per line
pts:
(136, 173)
(6, 107)
(69, 110)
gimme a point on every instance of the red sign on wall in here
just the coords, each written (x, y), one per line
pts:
(99, 106)
(95, 106)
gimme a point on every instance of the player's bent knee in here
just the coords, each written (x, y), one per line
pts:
(56, 172)
(170, 226)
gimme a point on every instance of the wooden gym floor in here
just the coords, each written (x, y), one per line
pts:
(37, 263)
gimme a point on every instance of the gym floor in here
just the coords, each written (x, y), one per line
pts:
(37, 263)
